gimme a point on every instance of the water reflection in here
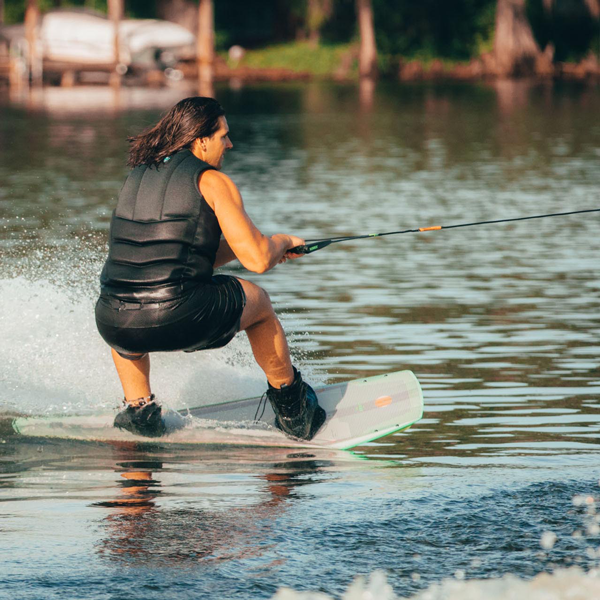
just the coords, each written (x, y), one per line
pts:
(513, 94)
(83, 100)
(138, 488)
(221, 524)
(366, 93)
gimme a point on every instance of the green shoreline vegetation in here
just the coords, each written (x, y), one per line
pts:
(323, 60)
(332, 60)
(413, 40)
(340, 61)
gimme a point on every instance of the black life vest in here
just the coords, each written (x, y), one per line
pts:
(163, 235)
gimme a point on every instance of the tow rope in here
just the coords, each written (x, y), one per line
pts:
(318, 244)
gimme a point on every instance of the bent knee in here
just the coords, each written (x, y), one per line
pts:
(262, 303)
(255, 295)
(264, 298)
(258, 305)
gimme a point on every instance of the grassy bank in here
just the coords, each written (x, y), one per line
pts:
(330, 60)
(301, 57)
(340, 61)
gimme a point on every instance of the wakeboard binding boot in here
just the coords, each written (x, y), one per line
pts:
(143, 418)
(296, 408)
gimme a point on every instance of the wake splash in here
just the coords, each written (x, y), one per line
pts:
(563, 584)
(560, 583)
(53, 361)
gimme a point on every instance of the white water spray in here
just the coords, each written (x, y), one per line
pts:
(53, 361)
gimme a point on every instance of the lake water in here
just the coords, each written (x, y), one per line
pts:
(492, 495)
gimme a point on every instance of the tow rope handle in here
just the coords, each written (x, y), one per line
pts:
(314, 246)
(308, 248)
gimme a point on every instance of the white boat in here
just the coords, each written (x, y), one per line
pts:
(86, 38)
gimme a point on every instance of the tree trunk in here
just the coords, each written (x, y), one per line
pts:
(515, 48)
(367, 60)
(182, 12)
(317, 13)
(1, 12)
(205, 47)
(32, 20)
(593, 7)
(115, 13)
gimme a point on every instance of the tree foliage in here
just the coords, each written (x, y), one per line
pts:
(455, 29)
(568, 25)
(448, 29)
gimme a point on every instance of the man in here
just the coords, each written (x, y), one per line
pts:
(178, 217)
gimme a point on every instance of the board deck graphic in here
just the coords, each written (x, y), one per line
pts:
(358, 412)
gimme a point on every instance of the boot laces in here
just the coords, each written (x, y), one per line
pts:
(139, 402)
(262, 403)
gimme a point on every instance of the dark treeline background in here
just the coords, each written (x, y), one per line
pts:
(427, 29)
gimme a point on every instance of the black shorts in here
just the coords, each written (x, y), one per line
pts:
(206, 317)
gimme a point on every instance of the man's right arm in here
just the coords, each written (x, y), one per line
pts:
(256, 252)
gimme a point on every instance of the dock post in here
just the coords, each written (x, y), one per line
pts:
(115, 14)
(205, 48)
(34, 58)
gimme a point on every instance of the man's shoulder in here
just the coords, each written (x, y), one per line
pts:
(219, 191)
(216, 182)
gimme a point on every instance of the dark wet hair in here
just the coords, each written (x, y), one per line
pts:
(188, 120)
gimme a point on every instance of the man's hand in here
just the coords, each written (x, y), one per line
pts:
(293, 242)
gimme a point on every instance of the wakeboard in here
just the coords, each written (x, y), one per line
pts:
(358, 412)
